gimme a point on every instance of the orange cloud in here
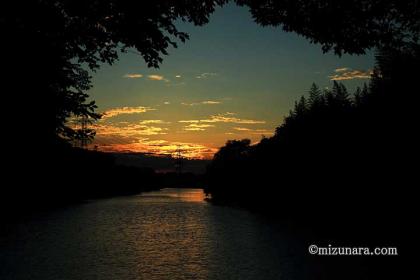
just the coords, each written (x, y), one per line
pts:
(343, 69)
(127, 130)
(133, 76)
(133, 137)
(347, 74)
(253, 131)
(197, 127)
(207, 102)
(241, 128)
(157, 78)
(158, 147)
(127, 136)
(210, 102)
(125, 110)
(153, 122)
(224, 118)
(189, 121)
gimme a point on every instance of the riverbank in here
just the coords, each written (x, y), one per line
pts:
(63, 175)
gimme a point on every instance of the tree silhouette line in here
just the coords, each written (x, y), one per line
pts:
(335, 153)
(340, 168)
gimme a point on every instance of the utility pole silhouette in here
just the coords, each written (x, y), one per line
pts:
(83, 137)
(178, 160)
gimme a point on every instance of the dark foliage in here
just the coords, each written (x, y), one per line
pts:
(340, 168)
(344, 26)
(334, 154)
(50, 46)
(80, 175)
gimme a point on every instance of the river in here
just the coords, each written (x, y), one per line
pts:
(167, 234)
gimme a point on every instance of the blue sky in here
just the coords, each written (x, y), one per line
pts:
(233, 79)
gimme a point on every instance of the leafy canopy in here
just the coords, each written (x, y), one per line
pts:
(64, 39)
(351, 26)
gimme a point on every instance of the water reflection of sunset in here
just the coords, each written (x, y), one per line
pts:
(179, 194)
(193, 195)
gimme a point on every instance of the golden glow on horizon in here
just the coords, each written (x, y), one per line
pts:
(123, 129)
(193, 195)
(160, 148)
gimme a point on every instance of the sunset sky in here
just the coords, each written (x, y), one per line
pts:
(232, 80)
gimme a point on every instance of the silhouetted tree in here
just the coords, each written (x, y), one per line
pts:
(358, 99)
(339, 96)
(339, 147)
(301, 107)
(56, 42)
(226, 168)
(316, 99)
(344, 26)
(233, 150)
(50, 49)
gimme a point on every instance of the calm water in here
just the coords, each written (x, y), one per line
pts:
(169, 234)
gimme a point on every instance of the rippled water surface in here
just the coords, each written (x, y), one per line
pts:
(168, 234)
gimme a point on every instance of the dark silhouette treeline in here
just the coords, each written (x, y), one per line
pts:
(162, 163)
(80, 175)
(84, 175)
(339, 158)
(340, 169)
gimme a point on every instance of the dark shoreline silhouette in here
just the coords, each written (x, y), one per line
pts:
(337, 167)
(335, 150)
(75, 175)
